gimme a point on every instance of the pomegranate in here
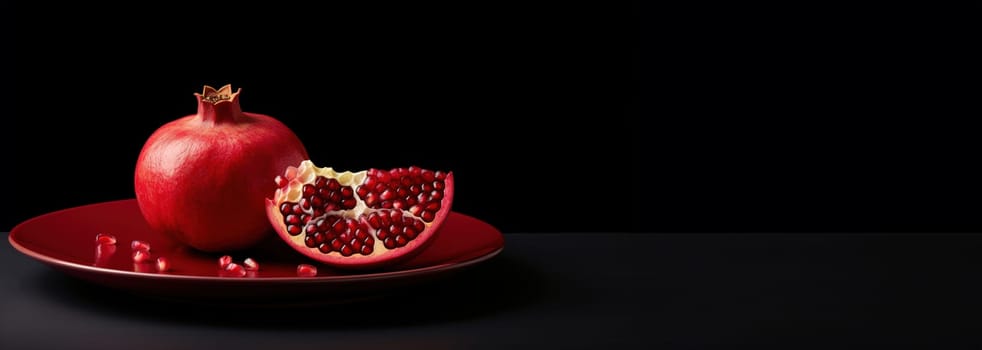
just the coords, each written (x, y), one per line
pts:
(201, 179)
(364, 219)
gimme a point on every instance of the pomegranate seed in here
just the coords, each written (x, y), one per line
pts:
(286, 208)
(389, 243)
(352, 224)
(318, 212)
(396, 215)
(311, 229)
(438, 185)
(224, 261)
(361, 234)
(363, 189)
(297, 209)
(323, 192)
(293, 230)
(141, 256)
(320, 182)
(309, 190)
(346, 251)
(426, 187)
(436, 195)
(441, 175)
(317, 202)
(347, 192)
(305, 203)
(234, 270)
(324, 248)
(427, 175)
(338, 226)
(402, 192)
(382, 234)
(280, 181)
(387, 195)
(310, 241)
(373, 220)
(292, 219)
(401, 240)
(414, 170)
(250, 265)
(433, 206)
(333, 185)
(419, 226)
(162, 264)
(304, 270)
(416, 210)
(334, 197)
(410, 232)
(348, 203)
(140, 245)
(103, 238)
(428, 216)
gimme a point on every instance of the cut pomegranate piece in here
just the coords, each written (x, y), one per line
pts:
(364, 219)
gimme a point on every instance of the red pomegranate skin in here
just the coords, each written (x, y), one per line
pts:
(203, 179)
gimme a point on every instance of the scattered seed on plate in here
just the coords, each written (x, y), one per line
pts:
(141, 256)
(234, 270)
(304, 270)
(163, 264)
(250, 265)
(140, 245)
(103, 238)
(224, 261)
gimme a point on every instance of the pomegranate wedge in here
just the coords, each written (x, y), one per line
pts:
(365, 219)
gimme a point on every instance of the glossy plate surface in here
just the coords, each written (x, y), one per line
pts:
(65, 240)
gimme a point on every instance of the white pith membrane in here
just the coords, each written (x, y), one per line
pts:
(306, 174)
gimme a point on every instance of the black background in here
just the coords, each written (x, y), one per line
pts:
(560, 116)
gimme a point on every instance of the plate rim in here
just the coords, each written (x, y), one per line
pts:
(355, 277)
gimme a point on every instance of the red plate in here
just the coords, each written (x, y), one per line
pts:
(65, 240)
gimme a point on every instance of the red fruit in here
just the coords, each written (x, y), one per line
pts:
(233, 270)
(201, 179)
(304, 270)
(367, 219)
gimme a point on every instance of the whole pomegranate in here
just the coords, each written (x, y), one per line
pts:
(203, 179)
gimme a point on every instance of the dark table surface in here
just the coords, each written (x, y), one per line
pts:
(566, 291)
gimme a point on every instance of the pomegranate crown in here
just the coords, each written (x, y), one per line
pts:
(216, 96)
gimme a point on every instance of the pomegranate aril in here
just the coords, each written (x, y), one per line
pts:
(338, 226)
(440, 175)
(387, 195)
(382, 234)
(419, 225)
(304, 218)
(286, 208)
(428, 216)
(366, 249)
(316, 202)
(433, 206)
(224, 261)
(333, 184)
(234, 270)
(348, 203)
(311, 229)
(410, 232)
(398, 204)
(163, 264)
(438, 185)
(310, 241)
(427, 187)
(141, 256)
(416, 210)
(309, 190)
(103, 238)
(333, 197)
(250, 264)
(362, 190)
(347, 192)
(402, 192)
(401, 240)
(292, 219)
(140, 245)
(389, 243)
(396, 215)
(346, 251)
(297, 209)
(280, 181)
(320, 182)
(336, 244)
(436, 195)
(324, 248)
(361, 234)
(293, 230)
(355, 245)
(427, 175)
(374, 221)
(305, 203)
(304, 270)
